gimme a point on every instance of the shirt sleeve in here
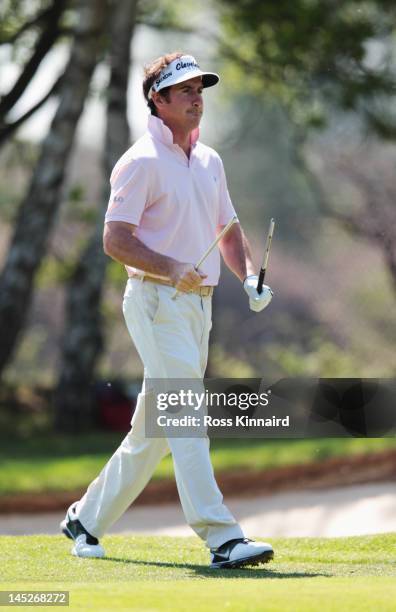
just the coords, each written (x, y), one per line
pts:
(226, 208)
(129, 193)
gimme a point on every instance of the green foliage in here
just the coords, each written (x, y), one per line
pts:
(166, 15)
(24, 412)
(13, 14)
(17, 160)
(54, 271)
(21, 154)
(21, 23)
(60, 263)
(76, 193)
(78, 208)
(8, 203)
(322, 358)
(308, 53)
(263, 176)
(115, 275)
(228, 365)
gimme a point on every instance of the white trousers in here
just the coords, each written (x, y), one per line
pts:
(171, 337)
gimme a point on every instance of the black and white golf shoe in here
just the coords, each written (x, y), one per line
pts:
(240, 552)
(85, 545)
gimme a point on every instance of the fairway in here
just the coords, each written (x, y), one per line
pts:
(152, 573)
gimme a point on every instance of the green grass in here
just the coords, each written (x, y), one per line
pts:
(171, 574)
(65, 463)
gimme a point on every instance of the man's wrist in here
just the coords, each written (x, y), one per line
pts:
(248, 276)
(250, 271)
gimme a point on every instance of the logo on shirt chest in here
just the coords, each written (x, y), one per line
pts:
(118, 199)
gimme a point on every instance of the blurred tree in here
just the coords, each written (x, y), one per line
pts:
(38, 209)
(46, 26)
(375, 218)
(320, 55)
(83, 337)
(306, 54)
(40, 25)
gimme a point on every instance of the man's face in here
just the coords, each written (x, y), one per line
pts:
(184, 106)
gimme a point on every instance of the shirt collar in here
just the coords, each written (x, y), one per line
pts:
(159, 131)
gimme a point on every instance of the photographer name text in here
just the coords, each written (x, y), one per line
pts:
(209, 421)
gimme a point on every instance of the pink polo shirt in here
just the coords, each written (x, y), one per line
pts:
(175, 202)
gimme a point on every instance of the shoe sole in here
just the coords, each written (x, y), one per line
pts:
(260, 559)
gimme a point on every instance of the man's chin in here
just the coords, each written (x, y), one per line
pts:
(195, 120)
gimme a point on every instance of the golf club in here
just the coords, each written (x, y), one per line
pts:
(266, 255)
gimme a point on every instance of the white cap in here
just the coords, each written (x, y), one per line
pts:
(182, 69)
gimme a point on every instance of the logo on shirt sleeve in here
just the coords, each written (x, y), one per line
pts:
(118, 199)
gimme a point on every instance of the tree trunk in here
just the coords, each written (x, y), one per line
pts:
(37, 211)
(49, 35)
(83, 338)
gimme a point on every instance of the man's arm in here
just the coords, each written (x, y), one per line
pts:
(236, 252)
(120, 244)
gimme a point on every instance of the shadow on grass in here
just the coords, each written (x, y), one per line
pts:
(246, 572)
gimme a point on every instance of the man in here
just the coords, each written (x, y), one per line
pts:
(168, 201)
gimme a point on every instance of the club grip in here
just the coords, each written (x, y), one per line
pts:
(260, 281)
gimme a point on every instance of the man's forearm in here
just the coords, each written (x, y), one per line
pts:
(125, 248)
(236, 252)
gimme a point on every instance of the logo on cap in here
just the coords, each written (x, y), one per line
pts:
(182, 65)
(163, 77)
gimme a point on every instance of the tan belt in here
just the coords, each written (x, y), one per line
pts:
(204, 291)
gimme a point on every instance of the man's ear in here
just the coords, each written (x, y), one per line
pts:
(158, 99)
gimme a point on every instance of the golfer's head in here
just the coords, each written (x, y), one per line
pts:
(173, 86)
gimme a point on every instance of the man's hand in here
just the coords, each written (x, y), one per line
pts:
(185, 277)
(257, 301)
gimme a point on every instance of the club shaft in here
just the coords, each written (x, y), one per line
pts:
(264, 265)
(215, 242)
(211, 247)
